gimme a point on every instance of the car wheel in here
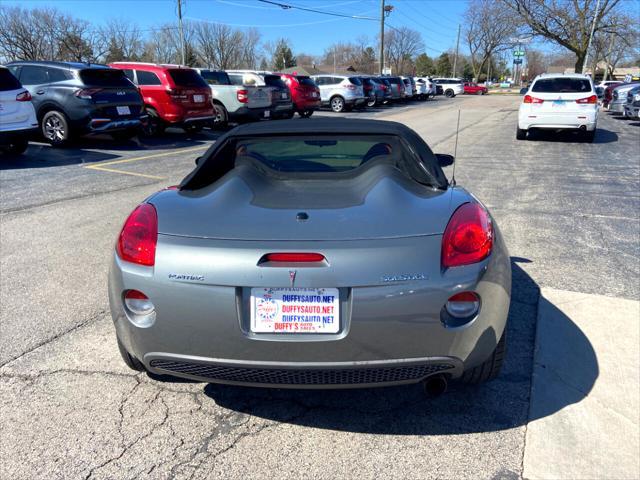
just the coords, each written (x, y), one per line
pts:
(220, 117)
(305, 113)
(449, 93)
(521, 134)
(337, 104)
(371, 103)
(55, 128)
(490, 369)
(132, 362)
(479, 92)
(124, 135)
(17, 146)
(155, 126)
(589, 136)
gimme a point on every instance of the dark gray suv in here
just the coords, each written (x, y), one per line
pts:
(73, 99)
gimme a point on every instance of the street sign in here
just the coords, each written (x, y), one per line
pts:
(517, 61)
(518, 53)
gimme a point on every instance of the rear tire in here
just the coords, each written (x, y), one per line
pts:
(337, 104)
(490, 369)
(521, 134)
(16, 147)
(155, 125)
(132, 362)
(589, 136)
(220, 117)
(55, 128)
(449, 93)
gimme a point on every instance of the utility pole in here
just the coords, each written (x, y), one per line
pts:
(455, 59)
(381, 36)
(181, 31)
(606, 70)
(593, 27)
(488, 79)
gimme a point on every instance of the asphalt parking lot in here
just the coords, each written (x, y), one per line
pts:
(569, 212)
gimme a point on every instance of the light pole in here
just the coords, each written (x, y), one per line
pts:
(385, 10)
(181, 31)
(593, 27)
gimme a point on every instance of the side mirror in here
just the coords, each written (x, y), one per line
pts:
(445, 160)
(198, 159)
(523, 90)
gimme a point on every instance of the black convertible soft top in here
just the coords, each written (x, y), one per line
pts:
(218, 161)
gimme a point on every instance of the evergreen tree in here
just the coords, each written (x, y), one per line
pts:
(424, 65)
(283, 56)
(443, 66)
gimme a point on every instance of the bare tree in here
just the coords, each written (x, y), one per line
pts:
(219, 46)
(250, 49)
(27, 34)
(489, 27)
(123, 41)
(567, 22)
(161, 48)
(401, 46)
(537, 63)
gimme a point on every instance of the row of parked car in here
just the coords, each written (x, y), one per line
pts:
(621, 97)
(61, 100)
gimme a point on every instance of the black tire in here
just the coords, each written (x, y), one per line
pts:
(449, 93)
(221, 117)
(371, 103)
(521, 134)
(155, 125)
(124, 135)
(132, 362)
(490, 369)
(17, 146)
(55, 128)
(305, 113)
(589, 136)
(337, 104)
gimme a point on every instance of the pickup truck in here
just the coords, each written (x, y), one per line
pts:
(236, 103)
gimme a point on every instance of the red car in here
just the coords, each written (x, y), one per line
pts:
(475, 89)
(304, 93)
(608, 94)
(173, 95)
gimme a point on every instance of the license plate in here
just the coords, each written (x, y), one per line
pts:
(123, 110)
(198, 98)
(267, 114)
(558, 103)
(295, 310)
(284, 96)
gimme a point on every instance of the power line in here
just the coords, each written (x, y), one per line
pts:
(286, 6)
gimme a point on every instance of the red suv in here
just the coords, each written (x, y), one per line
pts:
(173, 95)
(475, 89)
(304, 93)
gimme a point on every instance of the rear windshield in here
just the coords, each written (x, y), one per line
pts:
(355, 81)
(306, 81)
(562, 85)
(185, 77)
(215, 78)
(104, 77)
(316, 154)
(274, 81)
(8, 81)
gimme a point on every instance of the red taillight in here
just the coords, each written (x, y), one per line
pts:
(87, 93)
(592, 99)
(293, 257)
(139, 235)
(23, 97)
(177, 94)
(530, 99)
(243, 96)
(350, 86)
(468, 237)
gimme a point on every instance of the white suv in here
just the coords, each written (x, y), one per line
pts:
(340, 92)
(556, 101)
(17, 115)
(450, 86)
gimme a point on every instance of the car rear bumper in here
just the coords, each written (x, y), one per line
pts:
(529, 118)
(390, 333)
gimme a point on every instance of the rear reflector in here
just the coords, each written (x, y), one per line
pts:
(293, 257)
(463, 305)
(138, 303)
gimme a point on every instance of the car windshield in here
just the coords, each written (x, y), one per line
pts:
(104, 77)
(185, 77)
(316, 154)
(8, 81)
(562, 85)
(306, 81)
(215, 78)
(274, 81)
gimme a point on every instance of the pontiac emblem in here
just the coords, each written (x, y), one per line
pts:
(292, 277)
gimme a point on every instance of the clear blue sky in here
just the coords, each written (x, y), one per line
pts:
(436, 20)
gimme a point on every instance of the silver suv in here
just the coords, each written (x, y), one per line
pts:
(340, 92)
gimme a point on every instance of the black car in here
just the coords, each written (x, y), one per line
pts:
(73, 99)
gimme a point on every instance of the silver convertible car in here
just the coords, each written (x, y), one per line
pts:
(313, 254)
